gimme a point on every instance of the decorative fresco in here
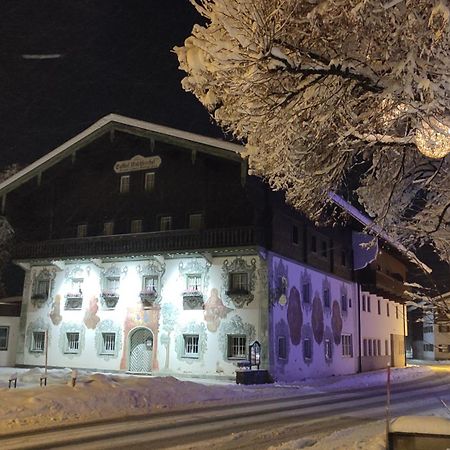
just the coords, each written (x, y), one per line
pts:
(192, 328)
(317, 319)
(108, 326)
(279, 283)
(244, 295)
(40, 324)
(55, 312)
(215, 311)
(336, 322)
(71, 327)
(169, 313)
(196, 273)
(328, 336)
(42, 286)
(151, 273)
(235, 325)
(307, 333)
(90, 316)
(137, 316)
(295, 316)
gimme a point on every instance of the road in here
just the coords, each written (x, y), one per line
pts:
(245, 425)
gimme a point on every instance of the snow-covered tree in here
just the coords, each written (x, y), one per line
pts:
(350, 96)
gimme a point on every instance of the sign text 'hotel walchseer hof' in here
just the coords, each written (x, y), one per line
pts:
(136, 163)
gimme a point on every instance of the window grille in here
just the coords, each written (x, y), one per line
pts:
(191, 344)
(237, 346)
(194, 283)
(109, 343)
(72, 342)
(37, 341)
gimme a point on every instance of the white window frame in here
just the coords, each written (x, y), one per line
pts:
(347, 345)
(4, 338)
(191, 345)
(237, 346)
(72, 342)
(37, 344)
(149, 181)
(108, 343)
(124, 184)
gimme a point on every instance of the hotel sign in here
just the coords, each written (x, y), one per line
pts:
(136, 163)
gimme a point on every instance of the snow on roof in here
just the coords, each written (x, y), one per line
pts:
(377, 230)
(120, 123)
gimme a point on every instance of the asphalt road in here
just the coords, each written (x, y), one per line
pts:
(245, 425)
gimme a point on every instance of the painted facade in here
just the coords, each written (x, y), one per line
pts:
(147, 249)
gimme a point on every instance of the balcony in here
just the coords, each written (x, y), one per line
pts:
(140, 244)
(383, 284)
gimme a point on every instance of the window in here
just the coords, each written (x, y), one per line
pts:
(428, 348)
(442, 348)
(396, 311)
(369, 346)
(72, 342)
(387, 309)
(239, 282)
(349, 302)
(324, 249)
(441, 328)
(37, 341)
(77, 284)
(194, 282)
(112, 284)
(165, 223)
(326, 298)
(108, 228)
(307, 348)
(328, 349)
(237, 346)
(191, 345)
(428, 329)
(343, 258)
(379, 307)
(363, 302)
(379, 347)
(150, 283)
(4, 333)
(124, 184)
(195, 221)
(365, 347)
(282, 349)
(42, 287)
(344, 303)
(305, 293)
(149, 182)
(313, 244)
(294, 234)
(368, 304)
(386, 347)
(136, 226)
(347, 345)
(82, 230)
(108, 343)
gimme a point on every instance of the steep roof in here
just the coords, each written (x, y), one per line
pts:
(115, 122)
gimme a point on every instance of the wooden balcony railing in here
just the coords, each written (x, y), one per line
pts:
(142, 243)
(382, 284)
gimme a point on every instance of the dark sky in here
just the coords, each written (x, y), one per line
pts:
(116, 58)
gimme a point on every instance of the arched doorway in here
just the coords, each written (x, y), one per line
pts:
(141, 350)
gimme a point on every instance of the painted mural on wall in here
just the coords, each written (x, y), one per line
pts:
(235, 325)
(55, 313)
(137, 316)
(279, 283)
(215, 311)
(192, 328)
(295, 316)
(317, 319)
(169, 314)
(90, 316)
(336, 322)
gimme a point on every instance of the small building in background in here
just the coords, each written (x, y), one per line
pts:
(9, 329)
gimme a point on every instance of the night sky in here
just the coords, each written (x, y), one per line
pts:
(116, 58)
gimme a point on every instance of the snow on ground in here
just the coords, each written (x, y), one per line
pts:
(100, 396)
